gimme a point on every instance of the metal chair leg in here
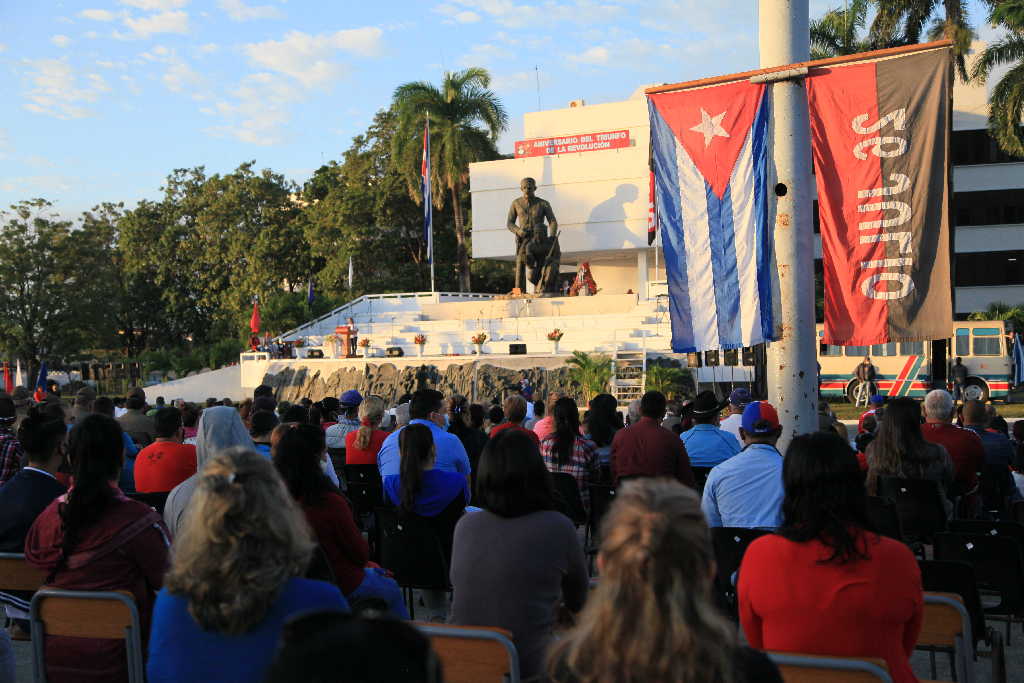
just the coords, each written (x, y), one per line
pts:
(931, 659)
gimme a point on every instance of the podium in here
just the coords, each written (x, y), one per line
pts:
(347, 332)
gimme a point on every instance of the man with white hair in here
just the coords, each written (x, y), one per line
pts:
(963, 445)
(633, 412)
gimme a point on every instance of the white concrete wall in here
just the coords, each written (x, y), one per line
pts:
(223, 383)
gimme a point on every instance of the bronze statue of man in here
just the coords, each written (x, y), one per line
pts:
(535, 248)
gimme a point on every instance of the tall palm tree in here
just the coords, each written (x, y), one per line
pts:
(903, 22)
(837, 31)
(466, 118)
(591, 373)
(1006, 103)
(997, 310)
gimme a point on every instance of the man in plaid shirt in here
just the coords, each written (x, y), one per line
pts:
(11, 453)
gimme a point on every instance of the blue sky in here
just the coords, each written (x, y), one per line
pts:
(103, 98)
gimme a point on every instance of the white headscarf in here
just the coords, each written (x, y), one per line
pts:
(220, 427)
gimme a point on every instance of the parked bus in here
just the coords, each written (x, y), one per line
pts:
(915, 368)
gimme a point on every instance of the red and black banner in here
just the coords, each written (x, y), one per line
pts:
(880, 138)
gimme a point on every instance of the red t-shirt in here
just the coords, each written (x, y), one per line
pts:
(964, 448)
(336, 532)
(163, 465)
(514, 425)
(790, 602)
(368, 456)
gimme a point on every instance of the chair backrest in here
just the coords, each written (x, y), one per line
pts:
(947, 625)
(365, 487)
(940, 576)
(992, 528)
(153, 500)
(883, 514)
(411, 548)
(18, 575)
(474, 654)
(1017, 511)
(110, 615)
(997, 561)
(601, 498)
(799, 668)
(918, 504)
(730, 543)
(700, 476)
(567, 491)
(996, 487)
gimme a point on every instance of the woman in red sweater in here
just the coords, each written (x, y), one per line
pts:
(297, 456)
(362, 445)
(826, 584)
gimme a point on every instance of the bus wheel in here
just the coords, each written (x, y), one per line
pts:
(975, 390)
(856, 390)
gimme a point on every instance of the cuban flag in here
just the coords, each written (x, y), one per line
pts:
(710, 159)
(428, 210)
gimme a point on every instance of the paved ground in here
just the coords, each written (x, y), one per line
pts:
(983, 672)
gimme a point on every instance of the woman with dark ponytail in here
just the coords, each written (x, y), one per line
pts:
(96, 538)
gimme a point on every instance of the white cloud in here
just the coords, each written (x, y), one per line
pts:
(59, 92)
(5, 144)
(456, 15)
(260, 110)
(38, 184)
(110, 64)
(239, 11)
(508, 13)
(208, 48)
(3, 48)
(593, 55)
(485, 54)
(180, 76)
(164, 22)
(155, 5)
(307, 58)
(97, 14)
(91, 35)
(131, 84)
(60, 40)
(65, 20)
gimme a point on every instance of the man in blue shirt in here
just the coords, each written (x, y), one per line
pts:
(706, 444)
(996, 481)
(746, 491)
(429, 408)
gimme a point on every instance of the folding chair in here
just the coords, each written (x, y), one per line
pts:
(18, 575)
(989, 527)
(730, 544)
(999, 566)
(412, 551)
(474, 654)
(938, 576)
(365, 488)
(601, 498)
(884, 516)
(153, 500)
(700, 477)
(567, 494)
(946, 627)
(918, 504)
(800, 668)
(110, 615)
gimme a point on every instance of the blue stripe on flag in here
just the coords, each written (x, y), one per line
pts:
(763, 241)
(722, 234)
(666, 176)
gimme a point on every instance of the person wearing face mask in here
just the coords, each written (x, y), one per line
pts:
(428, 408)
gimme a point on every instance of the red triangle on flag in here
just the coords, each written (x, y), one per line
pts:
(712, 124)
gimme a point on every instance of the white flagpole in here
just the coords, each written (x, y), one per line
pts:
(784, 39)
(350, 273)
(430, 240)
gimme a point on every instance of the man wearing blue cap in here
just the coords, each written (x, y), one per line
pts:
(348, 419)
(746, 490)
(875, 405)
(738, 400)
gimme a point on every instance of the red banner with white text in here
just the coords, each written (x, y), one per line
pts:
(880, 139)
(571, 144)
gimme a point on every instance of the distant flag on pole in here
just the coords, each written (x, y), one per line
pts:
(8, 380)
(254, 321)
(40, 392)
(309, 291)
(652, 213)
(428, 210)
(709, 154)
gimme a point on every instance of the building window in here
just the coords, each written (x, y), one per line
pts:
(990, 268)
(968, 147)
(989, 207)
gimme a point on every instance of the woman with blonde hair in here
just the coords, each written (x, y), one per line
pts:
(652, 616)
(235, 576)
(363, 444)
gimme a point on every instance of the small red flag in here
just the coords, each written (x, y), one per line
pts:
(8, 379)
(254, 321)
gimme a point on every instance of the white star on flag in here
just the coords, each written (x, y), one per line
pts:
(710, 126)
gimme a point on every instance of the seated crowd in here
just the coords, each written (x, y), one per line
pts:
(261, 554)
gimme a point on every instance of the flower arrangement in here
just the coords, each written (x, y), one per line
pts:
(420, 339)
(555, 335)
(479, 338)
(364, 342)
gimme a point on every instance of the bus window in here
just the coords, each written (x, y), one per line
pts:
(829, 350)
(883, 350)
(856, 351)
(912, 348)
(963, 341)
(986, 341)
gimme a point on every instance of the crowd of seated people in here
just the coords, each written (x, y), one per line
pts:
(258, 558)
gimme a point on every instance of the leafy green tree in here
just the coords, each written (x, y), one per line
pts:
(904, 22)
(838, 31)
(466, 118)
(591, 372)
(997, 310)
(667, 380)
(1006, 103)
